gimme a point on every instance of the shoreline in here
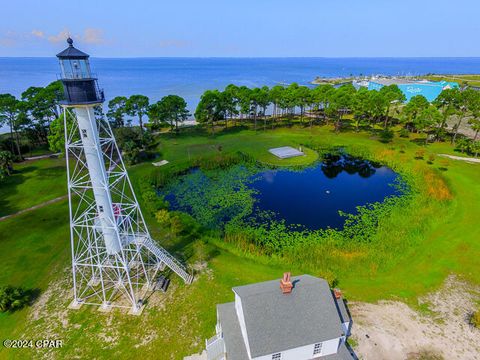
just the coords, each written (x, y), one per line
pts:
(472, 80)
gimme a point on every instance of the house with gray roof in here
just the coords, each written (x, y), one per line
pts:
(294, 318)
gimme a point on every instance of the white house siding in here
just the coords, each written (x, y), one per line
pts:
(241, 320)
(306, 352)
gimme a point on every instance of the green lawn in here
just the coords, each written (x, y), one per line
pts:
(470, 79)
(34, 182)
(438, 235)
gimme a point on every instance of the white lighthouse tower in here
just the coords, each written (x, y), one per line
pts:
(115, 262)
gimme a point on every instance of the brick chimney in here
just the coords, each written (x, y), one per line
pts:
(285, 284)
(337, 293)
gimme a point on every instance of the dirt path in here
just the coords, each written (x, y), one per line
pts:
(392, 330)
(467, 159)
(60, 198)
(42, 156)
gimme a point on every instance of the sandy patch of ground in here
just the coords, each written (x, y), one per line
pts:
(462, 158)
(392, 330)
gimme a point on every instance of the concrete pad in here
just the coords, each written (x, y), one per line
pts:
(160, 163)
(75, 305)
(105, 307)
(136, 312)
(286, 152)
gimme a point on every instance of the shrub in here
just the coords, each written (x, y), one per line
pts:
(386, 136)
(419, 154)
(444, 163)
(152, 202)
(463, 144)
(404, 133)
(163, 217)
(13, 298)
(184, 224)
(431, 158)
(6, 164)
(475, 319)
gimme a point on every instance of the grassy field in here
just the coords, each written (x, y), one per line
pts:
(438, 235)
(33, 183)
(470, 79)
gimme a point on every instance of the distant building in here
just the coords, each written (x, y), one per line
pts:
(411, 88)
(292, 319)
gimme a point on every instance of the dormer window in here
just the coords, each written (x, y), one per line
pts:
(317, 349)
(277, 356)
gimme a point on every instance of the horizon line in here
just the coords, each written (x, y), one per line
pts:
(254, 57)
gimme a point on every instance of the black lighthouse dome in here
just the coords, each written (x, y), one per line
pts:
(79, 84)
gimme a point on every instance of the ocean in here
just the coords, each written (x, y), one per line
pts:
(190, 77)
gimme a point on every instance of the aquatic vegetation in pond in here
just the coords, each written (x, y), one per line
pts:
(213, 197)
(266, 204)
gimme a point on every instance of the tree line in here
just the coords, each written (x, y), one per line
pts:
(34, 121)
(29, 116)
(171, 110)
(34, 118)
(328, 104)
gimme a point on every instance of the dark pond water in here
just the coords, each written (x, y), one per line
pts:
(310, 197)
(314, 196)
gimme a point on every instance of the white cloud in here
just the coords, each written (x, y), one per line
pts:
(38, 33)
(9, 38)
(61, 36)
(13, 38)
(89, 36)
(92, 36)
(6, 41)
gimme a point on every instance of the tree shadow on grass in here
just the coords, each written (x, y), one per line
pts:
(9, 187)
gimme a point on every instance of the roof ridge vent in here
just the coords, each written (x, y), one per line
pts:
(286, 283)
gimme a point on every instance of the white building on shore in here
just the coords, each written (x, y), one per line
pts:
(292, 319)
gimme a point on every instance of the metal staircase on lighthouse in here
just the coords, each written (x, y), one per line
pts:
(164, 257)
(115, 262)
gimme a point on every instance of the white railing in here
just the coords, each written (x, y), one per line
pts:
(215, 347)
(163, 256)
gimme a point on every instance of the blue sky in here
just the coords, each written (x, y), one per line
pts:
(252, 28)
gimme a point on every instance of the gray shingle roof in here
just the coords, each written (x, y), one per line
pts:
(276, 322)
(342, 309)
(72, 52)
(232, 335)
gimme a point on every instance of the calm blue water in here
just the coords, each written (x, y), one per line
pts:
(190, 77)
(314, 196)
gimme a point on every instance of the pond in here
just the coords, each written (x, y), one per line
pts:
(310, 198)
(314, 196)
